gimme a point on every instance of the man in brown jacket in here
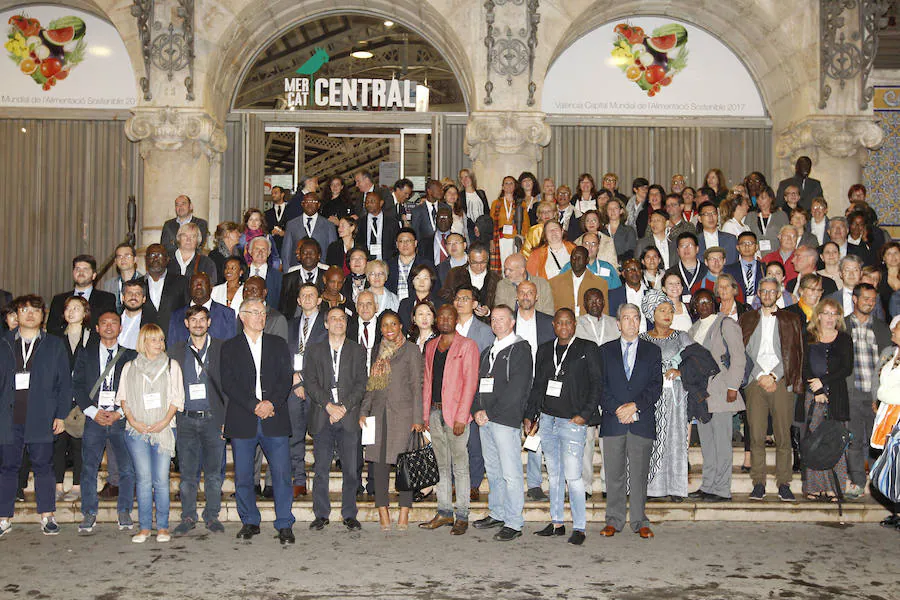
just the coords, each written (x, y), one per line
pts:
(774, 342)
(569, 288)
(478, 275)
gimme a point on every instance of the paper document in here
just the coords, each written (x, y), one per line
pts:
(368, 432)
(532, 443)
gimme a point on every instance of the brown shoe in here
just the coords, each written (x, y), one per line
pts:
(474, 495)
(608, 531)
(437, 521)
(645, 532)
(299, 490)
(459, 527)
(109, 491)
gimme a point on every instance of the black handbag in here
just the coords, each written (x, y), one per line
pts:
(822, 448)
(417, 468)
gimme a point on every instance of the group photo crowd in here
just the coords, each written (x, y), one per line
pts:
(368, 324)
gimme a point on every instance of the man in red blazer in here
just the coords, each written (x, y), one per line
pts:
(451, 379)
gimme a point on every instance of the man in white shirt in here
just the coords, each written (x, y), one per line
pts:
(133, 299)
(126, 270)
(514, 273)
(711, 237)
(308, 225)
(366, 332)
(851, 271)
(837, 231)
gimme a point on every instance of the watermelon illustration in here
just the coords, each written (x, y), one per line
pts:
(650, 61)
(47, 55)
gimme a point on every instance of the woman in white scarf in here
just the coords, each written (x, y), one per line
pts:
(151, 392)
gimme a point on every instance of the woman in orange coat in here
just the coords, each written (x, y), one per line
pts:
(549, 258)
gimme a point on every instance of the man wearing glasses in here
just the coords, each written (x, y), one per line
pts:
(748, 271)
(476, 274)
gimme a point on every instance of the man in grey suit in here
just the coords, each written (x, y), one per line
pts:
(514, 273)
(308, 225)
(184, 213)
(334, 377)
(722, 337)
(424, 216)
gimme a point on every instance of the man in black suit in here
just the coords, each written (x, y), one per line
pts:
(335, 378)
(184, 213)
(104, 420)
(308, 225)
(688, 268)
(260, 250)
(257, 382)
(424, 216)
(365, 185)
(748, 270)
(278, 216)
(456, 246)
(809, 188)
(308, 253)
(378, 228)
(364, 329)
(400, 266)
(164, 292)
(84, 272)
(199, 442)
(276, 323)
(434, 247)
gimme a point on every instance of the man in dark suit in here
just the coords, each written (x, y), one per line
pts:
(748, 270)
(424, 216)
(164, 292)
(309, 253)
(809, 188)
(805, 261)
(308, 225)
(84, 272)
(260, 250)
(378, 228)
(280, 214)
(365, 185)
(476, 274)
(851, 272)
(184, 213)
(632, 290)
(104, 421)
(276, 323)
(709, 235)
(456, 246)
(401, 265)
(688, 268)
(257, 382)
(199, 442)
(335, 378)
(632, 384)
(223, 325)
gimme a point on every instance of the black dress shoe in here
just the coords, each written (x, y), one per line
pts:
(551, 530)
(352, 524)
(257, 489)
(891, 521)
(507, 534)
(268, 492)
(319, 524)
(715, 498)
(247, 532)
(487, 523)
(745, 469)
(577, 538)
(286, 536)
(676, 499)
(698, 495)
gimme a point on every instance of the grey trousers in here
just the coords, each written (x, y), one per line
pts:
(627, 461)
(862, 420)
(452, 454)
(715, 443)
(587, 471)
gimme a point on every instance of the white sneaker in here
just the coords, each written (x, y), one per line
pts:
(162, 538)
(140, 538)
(5, 526)
(49, 526)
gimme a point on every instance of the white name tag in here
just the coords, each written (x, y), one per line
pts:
(334, 395)
(765, 245)
(554, 388)
(668, 383)
(486, 386)
(298, 362)
(508, 230)
(152, 400)
(197, 391)
(532, 443)
(604, 272)
(375, 250)
(23, 380)
(685, 297)
(107, 401)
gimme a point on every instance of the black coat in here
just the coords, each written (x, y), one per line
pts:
(99, 302)
(87, 371)
(512, 382)
(839, 367)
(580, 373)
(697, 367)
(352, 378)
(174, 296)
(290, 287)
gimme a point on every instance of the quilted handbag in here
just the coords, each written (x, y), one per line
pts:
(417, 468)
(886, 471)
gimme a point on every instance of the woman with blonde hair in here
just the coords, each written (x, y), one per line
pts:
(545, 211)
(151, 391)
(188, 259)
(552, 254)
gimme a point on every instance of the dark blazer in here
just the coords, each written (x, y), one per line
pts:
(685, 284)
(726, 241)
(644, 388)
(99, 302)
(443, 270)
(7, 390)
(324, 232)
(174, 295)
(580, 373)
(87, 371)
(352, 378)
(290, 287)
(865, 251)
(393, 278)
(335, 255)
(353, 329)
(213, 366)
(276, 323)
(736, 270)
(839, 367)
(460, 276)
(274, 281)
(809, 190)
(5, 298)
(317, 332)
(390, 228)
(238, 379)
(405, 310)
(49, 392)
(286, 216)
(200, 263)
(512, 382)
(421, 224)
(545, 331)
(222, 327)
(390, 204)
(170, 231)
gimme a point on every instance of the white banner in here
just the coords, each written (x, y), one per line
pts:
(650, 66)
(60, 57)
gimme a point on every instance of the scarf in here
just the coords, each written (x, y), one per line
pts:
(806, 308)
(249, 235)
(381, 368)
(145, 377)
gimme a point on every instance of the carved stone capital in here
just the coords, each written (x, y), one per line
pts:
(506, 132)
(838, 137)
(171, 128)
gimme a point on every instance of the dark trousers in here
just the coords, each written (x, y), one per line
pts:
(381, 473)
(278, 456)
(324, 442)
(298, 410)
(65, 447)
(93, 443)
(476, 457)
(862, 420)
(42, 465)
(200, 443)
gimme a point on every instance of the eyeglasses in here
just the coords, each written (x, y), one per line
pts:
(254, 313)
(377, 274)
(747, 243)
(29, 309)
(478, 262)
(768, 292)
(463, 299)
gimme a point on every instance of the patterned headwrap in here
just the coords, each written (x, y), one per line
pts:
(652, 299)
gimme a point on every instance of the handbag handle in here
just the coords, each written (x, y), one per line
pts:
(416, 441)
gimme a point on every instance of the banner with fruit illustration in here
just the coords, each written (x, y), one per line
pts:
(63, 58)
(650, 66)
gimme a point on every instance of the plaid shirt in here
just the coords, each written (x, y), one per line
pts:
(865, 353)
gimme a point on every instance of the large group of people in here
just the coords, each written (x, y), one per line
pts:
(547, 315)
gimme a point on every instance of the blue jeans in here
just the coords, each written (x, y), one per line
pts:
(151, 469)
(563, 443)
(93, 443)
(278, 455)
(533, 475)
(199, 444)
(502, 448)
(41, 463)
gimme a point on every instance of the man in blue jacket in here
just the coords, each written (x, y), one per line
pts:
(224, 326)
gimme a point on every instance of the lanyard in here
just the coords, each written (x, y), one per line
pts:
(509, 211)
(684, 278)
(599, 338)
(558, 365)
(27, 356)
(336, 361)
(764, 223)
(198, 364)
(556, 260)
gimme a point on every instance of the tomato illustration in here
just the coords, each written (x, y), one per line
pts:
(655, 73)
(27, 26)
(50, 67)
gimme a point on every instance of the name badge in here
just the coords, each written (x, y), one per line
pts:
(765, 245)
(532, 443)
(23, 380)
(604, 272)
(107, 401)
(152, 400)
(508, 230)
(668, 383)
(750, 299)
(375, 249)
(334, 395)
(486, 385)
(685, 297)
(298, 362)
(197, 391)
(554, 388)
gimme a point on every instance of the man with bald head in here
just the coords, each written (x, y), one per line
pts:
(377, 228)
(308, 225)
(308, 253)
(184, 213)
(223, 325)
(514, 273)
(569, 288)
(276, 323)
(597, 265)
(165, 292)
(805, 260)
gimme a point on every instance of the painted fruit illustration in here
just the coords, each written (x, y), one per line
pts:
(47, 55)
(651, 61)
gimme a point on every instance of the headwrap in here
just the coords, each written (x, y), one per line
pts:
(652, 299)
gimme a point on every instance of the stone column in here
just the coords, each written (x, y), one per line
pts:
(504, 143)
(838, 147)
(179, 147)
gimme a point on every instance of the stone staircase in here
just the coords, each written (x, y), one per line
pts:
(739, 509)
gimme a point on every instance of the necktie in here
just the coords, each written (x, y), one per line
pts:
(107, 383)
(279, 210)
(256, 271)
(301, 346)
(444, 254)
(627, 361)
(309, 277)
(749, 279)
(309, 225)
(366, 332)
(373, 232)
(433, 214)
(562, 215)
(79, 294)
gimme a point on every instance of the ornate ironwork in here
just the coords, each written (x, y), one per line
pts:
(533, 19)
(186, 12)
(511, 55)
(142, 10)
(489, 41)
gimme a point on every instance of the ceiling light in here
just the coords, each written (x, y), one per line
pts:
(361, 54)
(388, 23)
